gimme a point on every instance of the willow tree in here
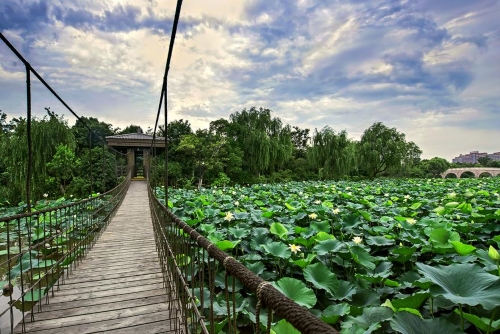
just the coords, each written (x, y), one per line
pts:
(381, 149)
(47, 134)
(4, 139)
(331, 153)
(265, 142)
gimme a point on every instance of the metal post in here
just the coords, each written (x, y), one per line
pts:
(28, 131)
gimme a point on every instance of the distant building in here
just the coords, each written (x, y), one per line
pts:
(473, 157)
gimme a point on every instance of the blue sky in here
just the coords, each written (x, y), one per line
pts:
(429, 68)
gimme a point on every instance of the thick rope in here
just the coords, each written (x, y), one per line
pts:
(283, 306)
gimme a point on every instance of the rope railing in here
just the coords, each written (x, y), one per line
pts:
(43, 247)
(211, 291)
(45, 241)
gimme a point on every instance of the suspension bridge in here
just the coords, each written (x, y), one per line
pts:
(121, 262)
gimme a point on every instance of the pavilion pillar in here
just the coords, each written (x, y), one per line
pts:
(131, 161)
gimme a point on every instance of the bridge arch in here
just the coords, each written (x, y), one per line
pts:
(477, 171)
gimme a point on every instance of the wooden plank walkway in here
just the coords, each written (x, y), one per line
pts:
(118, 286)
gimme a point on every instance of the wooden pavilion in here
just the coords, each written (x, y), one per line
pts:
(137, 146)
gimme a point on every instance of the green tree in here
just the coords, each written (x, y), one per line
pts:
(47, 134)
(331, 153)
(96, 172)
(266, 144)
(96, 138)
(411, 160)
(436, 166)
(62, 167)
(381, 149)
(485, 161)
(4, 140)
(130, 129)
(300, 139)
(205, 151)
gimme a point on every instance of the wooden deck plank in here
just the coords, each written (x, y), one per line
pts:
(120, 324)
(100, 301)
(118, 287)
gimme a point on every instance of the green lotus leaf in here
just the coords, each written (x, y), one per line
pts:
(413, 302)
(24, 264)
(361, 256)
(379, 241)
(358, 329)
(44, 264)
(407, 323)
(279, 230)
(464, 284)
(321, 277)
(267, 214)
(345, 290)
(481, 323)
(284, 327)
(182, 259)
(351, 221)
(333, 312)
(239, 233)
(370, 316)
(259, 237)
(306, 261)
(277, 249)
(296, 291)
(320, 226)
(328, 246)
(257, 267)
(35, 295)
(442, 236)
(415, 206)
(462, 249)
(366, 215)
(323, 236)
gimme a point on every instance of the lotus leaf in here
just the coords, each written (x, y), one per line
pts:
(296, 291)
(407, 323)
(464, 284)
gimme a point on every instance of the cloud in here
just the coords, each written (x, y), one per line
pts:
(422, 66)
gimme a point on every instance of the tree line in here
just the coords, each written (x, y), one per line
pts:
(251, 146)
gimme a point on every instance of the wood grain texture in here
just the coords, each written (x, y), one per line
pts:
(118, 288)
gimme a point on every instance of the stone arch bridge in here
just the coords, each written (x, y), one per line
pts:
(475, 170)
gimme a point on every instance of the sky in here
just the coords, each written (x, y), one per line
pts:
(429, 68)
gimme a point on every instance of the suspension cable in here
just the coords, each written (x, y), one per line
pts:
(163, 94)
(31, 69)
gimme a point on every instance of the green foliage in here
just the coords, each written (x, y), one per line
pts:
(48, 134)
(380, 256)
(407, 323)
(296, 291)
(266, 144)
(435, 166)
(464, 284)
(84, 138)
(97, 172)
(332, 154)
(62, 167)
(382, 149)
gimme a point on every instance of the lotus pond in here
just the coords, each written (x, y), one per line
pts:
(409, 256)
(36, 249)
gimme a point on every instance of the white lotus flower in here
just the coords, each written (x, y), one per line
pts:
(357, 240)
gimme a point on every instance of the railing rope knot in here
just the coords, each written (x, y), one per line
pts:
(224, 263)
(260, 287)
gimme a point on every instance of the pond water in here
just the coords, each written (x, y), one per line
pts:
(5, 319)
